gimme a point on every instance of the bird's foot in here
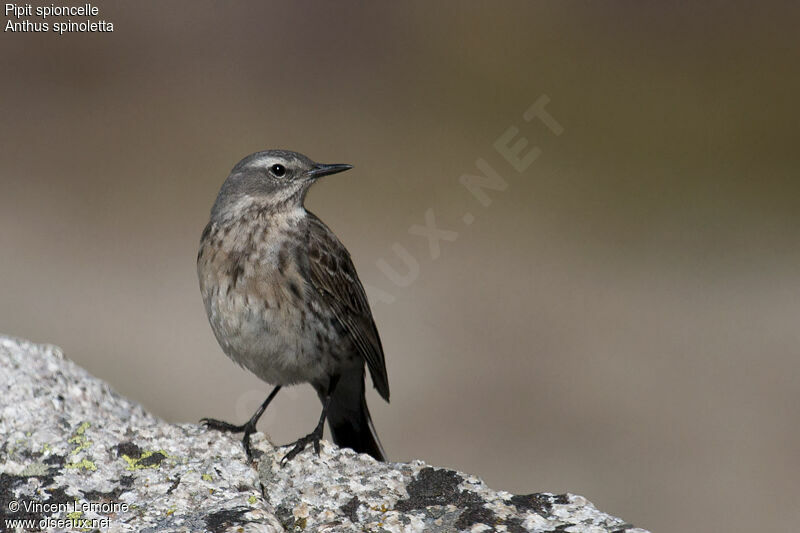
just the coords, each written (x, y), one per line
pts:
(248, 428)
(219, 425)
(300, 444)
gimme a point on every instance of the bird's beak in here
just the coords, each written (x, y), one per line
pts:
(323, 170)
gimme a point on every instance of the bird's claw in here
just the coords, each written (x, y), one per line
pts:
(300, 445)
(219, 425)
(247, 428)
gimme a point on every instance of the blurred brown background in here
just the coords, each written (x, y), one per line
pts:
(621, 322)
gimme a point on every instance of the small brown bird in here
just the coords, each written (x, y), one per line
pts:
(284, 300)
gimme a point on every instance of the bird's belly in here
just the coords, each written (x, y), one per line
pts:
(277, 338)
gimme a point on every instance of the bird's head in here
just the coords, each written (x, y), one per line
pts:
(277, 179)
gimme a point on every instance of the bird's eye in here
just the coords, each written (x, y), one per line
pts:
(278, 170)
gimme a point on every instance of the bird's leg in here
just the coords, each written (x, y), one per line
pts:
(316, 435)
(248, 427)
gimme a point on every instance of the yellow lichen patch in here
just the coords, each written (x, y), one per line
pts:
(85, 464)
(146, 460)
(252, 499)
(207, 477)
(83, 445)
(77, 521)
(81, 429)
(79, 439)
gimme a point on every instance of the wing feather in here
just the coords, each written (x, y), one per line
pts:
(334, 277)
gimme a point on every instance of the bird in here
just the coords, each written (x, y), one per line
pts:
(285, 302)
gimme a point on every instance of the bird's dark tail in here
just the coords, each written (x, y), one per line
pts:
(348, 417)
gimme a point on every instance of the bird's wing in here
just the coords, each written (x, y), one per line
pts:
(334, 277)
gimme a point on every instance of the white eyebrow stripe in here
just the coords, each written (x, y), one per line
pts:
(263, 162)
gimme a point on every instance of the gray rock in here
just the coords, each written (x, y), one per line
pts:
(73, 450)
